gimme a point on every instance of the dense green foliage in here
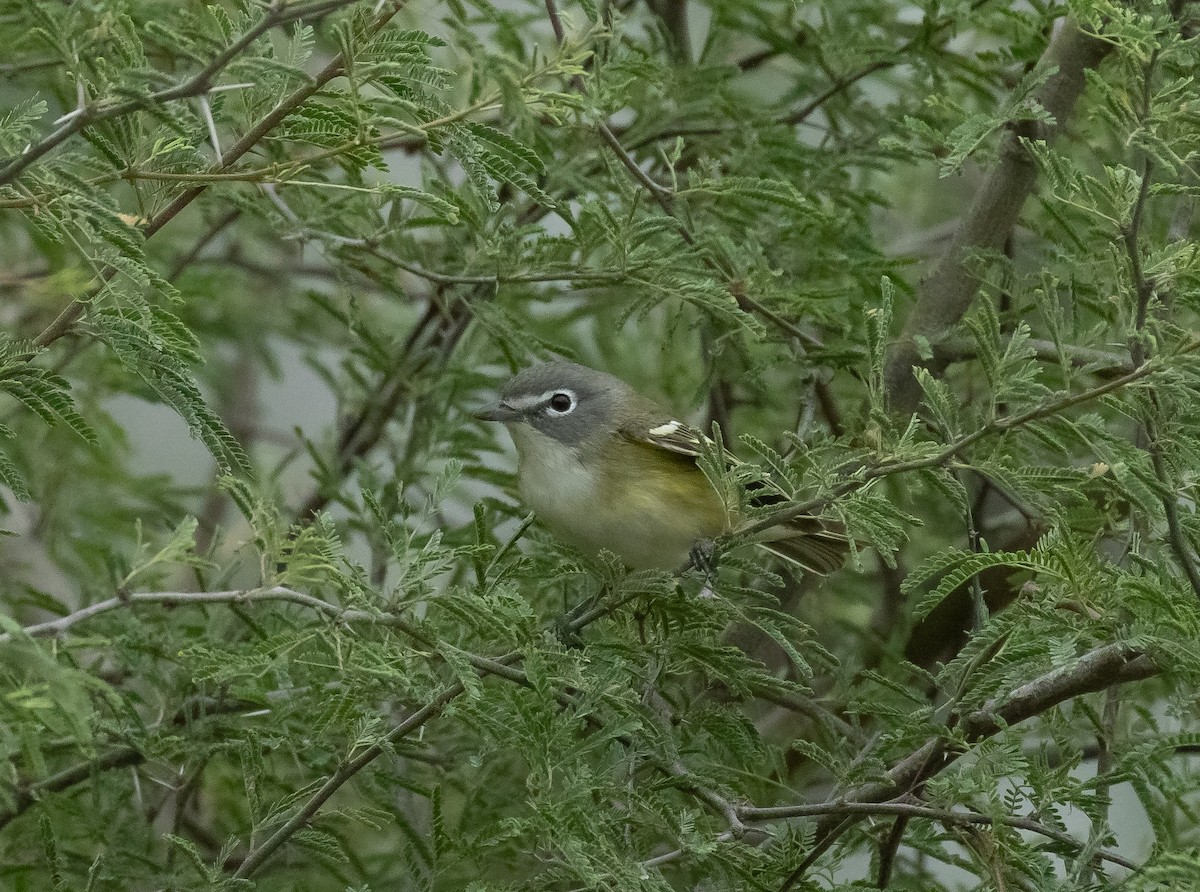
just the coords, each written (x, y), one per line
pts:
(316, 644)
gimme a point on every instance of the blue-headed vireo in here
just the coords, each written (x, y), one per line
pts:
(603, 467)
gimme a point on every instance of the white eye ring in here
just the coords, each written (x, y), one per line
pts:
(561, 402)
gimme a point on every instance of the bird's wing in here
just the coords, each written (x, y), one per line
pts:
(812, 543)
(673, 436)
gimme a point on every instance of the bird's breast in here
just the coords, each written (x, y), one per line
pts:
(551, 478)
(643, 504)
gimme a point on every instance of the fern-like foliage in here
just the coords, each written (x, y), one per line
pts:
(271, 610)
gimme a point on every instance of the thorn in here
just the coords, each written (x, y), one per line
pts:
(287, 212)
(206, 109)
(68, 116)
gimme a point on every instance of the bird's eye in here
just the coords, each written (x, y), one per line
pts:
(562, 403)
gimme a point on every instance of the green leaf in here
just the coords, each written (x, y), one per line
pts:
(442, 209)
(956, 567)
(17, 125)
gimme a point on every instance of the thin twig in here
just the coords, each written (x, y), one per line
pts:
(1144, 288)
(63, 624)
(70, 314)
(1094, 671)
(915, 810)
(197, 85)
(590, 277)
(193, 254)
(792, 510)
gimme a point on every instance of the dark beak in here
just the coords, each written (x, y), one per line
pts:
(499, 412)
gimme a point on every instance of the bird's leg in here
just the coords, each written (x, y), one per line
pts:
(703, 556)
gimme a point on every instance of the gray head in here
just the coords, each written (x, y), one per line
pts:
(565, 401)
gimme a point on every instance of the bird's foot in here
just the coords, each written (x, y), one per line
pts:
(703, 556)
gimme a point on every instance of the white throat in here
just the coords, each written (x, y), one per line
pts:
(552, 481)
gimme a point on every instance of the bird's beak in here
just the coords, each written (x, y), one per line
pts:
(499, 412)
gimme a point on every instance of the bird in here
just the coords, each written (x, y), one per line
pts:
(605, 468)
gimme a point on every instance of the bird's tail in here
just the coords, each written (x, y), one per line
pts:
(813, 544)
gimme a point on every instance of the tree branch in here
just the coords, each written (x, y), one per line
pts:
(791, 510)
(178, 599)
(1094, 671)
(70, 314)
(919, 810)
(1144, 288)
(199, 84)
(944, 298)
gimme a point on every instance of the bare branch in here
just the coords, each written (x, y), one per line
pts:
(177, 599)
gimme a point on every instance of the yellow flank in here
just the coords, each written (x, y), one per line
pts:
(656, 504)
(646, 505)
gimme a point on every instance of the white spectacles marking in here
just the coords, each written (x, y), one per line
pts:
(560, 402)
